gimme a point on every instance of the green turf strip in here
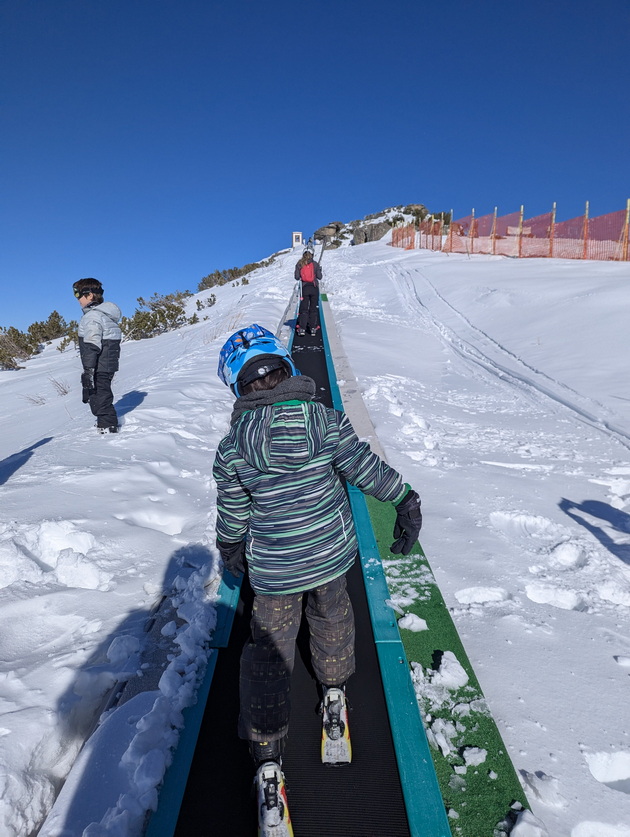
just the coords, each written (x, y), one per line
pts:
(478, 797)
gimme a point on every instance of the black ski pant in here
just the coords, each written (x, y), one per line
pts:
(308, 314)
(102, 400)
(269, 653)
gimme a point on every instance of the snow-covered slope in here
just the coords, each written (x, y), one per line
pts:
(497, 387)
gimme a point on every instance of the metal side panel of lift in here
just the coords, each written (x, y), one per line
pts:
(423, 800)
(164, 820)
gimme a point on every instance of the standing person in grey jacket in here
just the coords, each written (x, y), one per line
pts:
(99, 348)
(282, 511)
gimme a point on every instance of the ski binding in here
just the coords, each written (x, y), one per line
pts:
(273, 810)
(336, 746)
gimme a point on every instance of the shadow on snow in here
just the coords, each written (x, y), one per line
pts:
(129, 401)
(611, 519)
(14, 462)
(114, 688)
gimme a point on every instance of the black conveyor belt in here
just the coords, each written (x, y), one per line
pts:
(363, 799)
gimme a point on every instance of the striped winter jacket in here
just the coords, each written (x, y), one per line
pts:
(277, 474)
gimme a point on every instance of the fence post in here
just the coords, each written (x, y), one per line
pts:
(494, 232)
(520, 233)
(471, 231)
(552, 229)
(624, 252)
(585, 233)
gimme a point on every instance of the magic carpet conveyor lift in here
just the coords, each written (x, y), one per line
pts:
(390, 789)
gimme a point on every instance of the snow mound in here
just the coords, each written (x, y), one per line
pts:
(481, 595)
(554, 596)
(611, 769)
(569, 555)
(523, 525)
(527, 825)
(600, 829)
(544, 788)
(411, 622)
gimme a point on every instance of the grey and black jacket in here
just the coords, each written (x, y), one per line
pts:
(99, 337)
(278, 478)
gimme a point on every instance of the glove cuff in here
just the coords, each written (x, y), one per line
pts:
(410, 498)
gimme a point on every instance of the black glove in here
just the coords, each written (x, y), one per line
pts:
(233, 555)
(408, 523)
(87, 382)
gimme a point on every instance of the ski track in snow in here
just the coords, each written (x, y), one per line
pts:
(561, 560)
(581, 569)
(475, 345)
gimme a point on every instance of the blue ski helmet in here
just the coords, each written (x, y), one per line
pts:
(253, 342)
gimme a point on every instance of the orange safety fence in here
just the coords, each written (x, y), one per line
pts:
(603, 238)
(608, 237)
(459, 235)
(569, 238)
(537, 237)
(404, 237)
(430, 234)
(507, 236)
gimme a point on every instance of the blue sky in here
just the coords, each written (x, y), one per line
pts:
(150, 142)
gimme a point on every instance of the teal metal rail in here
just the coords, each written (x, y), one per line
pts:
(421, 792)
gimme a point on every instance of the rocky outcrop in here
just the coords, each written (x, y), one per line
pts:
(370, 232)
(371, 228)
(330, 231)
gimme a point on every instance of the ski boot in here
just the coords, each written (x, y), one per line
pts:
(262, 751)
(336, 745)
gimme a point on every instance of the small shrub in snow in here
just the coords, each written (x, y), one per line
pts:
(157, 315)
(62, 388)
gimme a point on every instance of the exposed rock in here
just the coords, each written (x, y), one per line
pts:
(371, 228)
(370, 232)
(418, 209)
(329, 231)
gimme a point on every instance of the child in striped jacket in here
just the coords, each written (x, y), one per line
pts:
(282, 511)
